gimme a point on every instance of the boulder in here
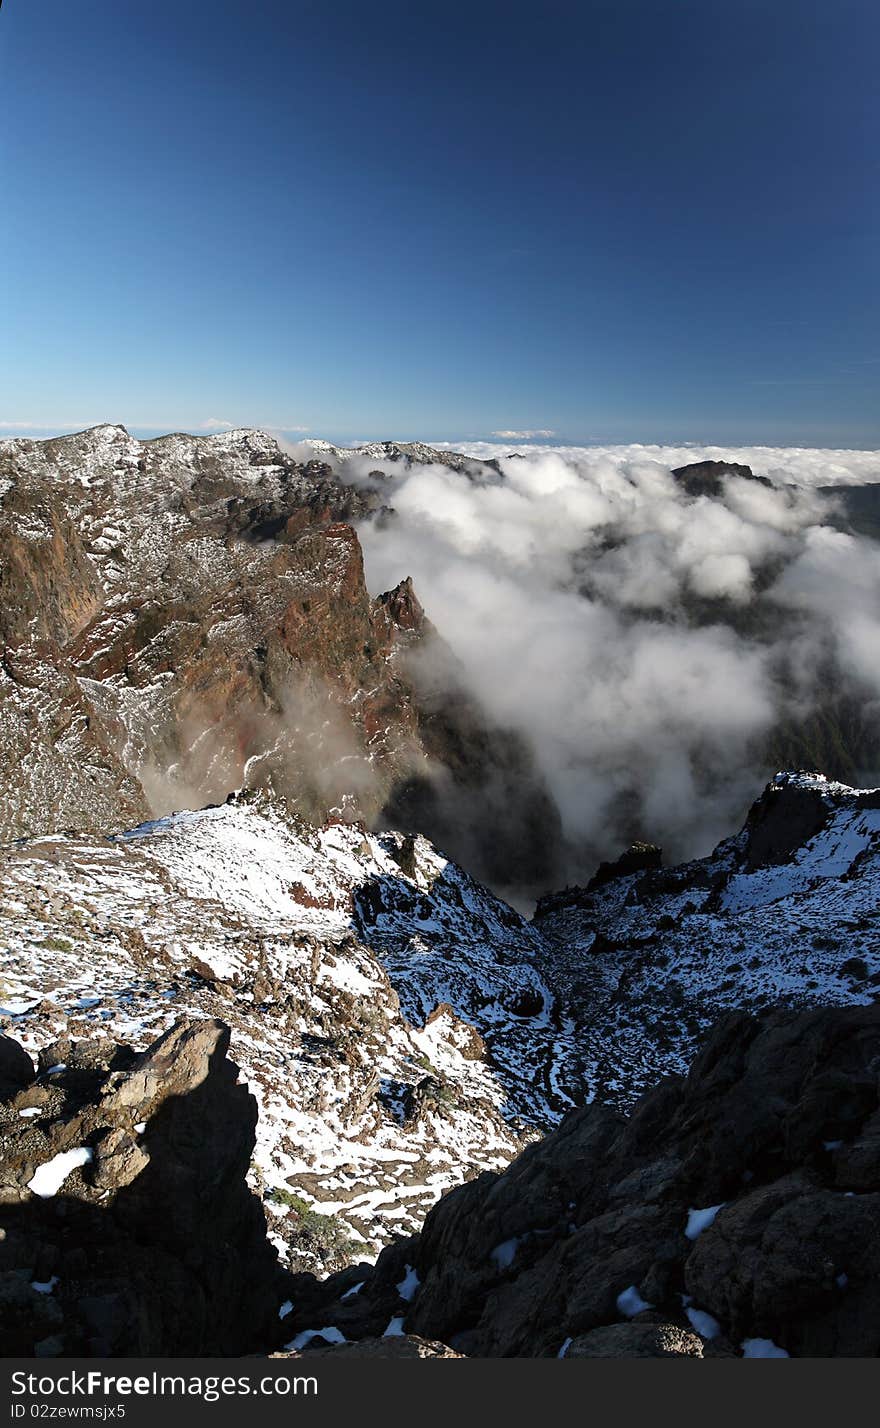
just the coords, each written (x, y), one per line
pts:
(127, 1201)
(16, 1068)
(637, 1341)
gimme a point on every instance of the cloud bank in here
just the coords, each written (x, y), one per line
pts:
(523, 435)
(647, 644)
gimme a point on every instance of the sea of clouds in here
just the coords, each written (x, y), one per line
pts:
(644, 643)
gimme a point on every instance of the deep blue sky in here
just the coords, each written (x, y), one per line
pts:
(614, 219)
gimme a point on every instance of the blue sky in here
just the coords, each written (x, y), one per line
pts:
(611, 219)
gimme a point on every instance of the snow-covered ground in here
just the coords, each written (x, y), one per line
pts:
(393, 1025)
(652, 959)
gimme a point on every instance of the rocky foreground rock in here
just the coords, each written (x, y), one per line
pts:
(127, 1223)
(737, 1210)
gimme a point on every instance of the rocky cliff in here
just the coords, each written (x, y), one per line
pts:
(185, 616)
(402, 1028)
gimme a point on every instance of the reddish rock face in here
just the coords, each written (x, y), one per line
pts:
(403, 607)
(187, 616)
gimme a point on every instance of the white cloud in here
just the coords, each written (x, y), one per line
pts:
(569, 588)
(216, 424)
(523, 435)
(806, 466)
(44, 426)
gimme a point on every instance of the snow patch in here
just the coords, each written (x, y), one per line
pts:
(762, 1349)
(503, 1255)
(630, 1302)
(50, 1177)
(331, 1335)
(409, 1284)
(700, 1220)
(706, 1326)
(44, 1286)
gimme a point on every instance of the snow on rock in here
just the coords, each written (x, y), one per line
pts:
(630, 1302)
(399, 1026)
(409, 1284)
(45, 1286)
(503, 1255)
(330, 1335)
(784, 912)
(50, 1176)
(704, 1323)
(394, 1026)
(700, 1220)
(762, 1349)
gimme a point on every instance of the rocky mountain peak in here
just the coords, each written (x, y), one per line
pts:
(403, 606)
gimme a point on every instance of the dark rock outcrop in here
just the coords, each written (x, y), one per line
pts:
(704, 478)
(16, 1068)
(404, 608)
(128, 1226)
(638, 858)
(785, 817)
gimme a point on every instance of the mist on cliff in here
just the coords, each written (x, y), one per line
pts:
(646, 643)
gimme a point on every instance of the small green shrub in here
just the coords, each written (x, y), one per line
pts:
(313, 1235)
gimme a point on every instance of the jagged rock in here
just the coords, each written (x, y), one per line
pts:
(133, 1216)
(118, 1160)
(638, 858)
(787, 815)
(403, 606)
